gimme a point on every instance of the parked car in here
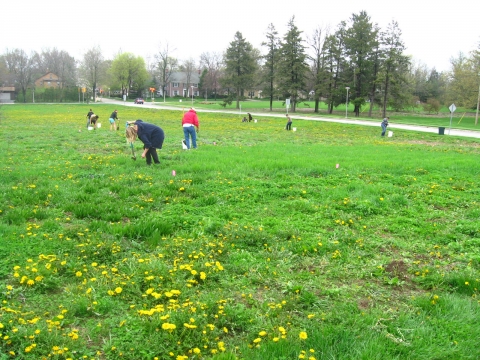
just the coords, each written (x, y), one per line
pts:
(139, 101)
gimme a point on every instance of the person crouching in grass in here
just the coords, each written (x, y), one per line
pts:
(151, 135)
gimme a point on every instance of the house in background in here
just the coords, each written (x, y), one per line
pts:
(7, 94)
(48, 80)
(178, 85)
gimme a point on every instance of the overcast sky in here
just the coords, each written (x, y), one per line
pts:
(433, 32)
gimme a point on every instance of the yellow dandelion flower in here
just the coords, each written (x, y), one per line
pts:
(302, 335)
(118, 290)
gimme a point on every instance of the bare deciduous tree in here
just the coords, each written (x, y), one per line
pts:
(166, 66)
(188, 67)
(20, 65)
(93, 68)
(212, 62)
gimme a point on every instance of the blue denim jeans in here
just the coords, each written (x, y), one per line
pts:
(384, 129)
(190, 132)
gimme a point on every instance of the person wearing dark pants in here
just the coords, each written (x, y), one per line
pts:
(151, 135)
(289, 123)
(384, 125)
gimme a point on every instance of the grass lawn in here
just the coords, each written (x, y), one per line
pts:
(324, 243)
(461, 118)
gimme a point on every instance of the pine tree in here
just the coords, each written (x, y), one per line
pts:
(270, 65)
(240, 66)
(292, 66)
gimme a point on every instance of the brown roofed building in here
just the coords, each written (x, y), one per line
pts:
(48, 80)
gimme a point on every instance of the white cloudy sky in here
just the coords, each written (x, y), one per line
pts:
(433, 31)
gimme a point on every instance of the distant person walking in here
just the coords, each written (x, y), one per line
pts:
(249, 117)
(289, 123)
(113, 119)
(190, 127)
(151, 135)
(384, 125)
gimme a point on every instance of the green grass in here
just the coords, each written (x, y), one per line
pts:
(461, 119)
(259, 247)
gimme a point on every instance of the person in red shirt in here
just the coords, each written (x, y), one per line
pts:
(190, 127)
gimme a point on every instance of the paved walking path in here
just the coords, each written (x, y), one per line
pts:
(430, 129)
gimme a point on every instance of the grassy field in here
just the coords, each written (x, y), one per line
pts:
(461, 118)
(329, 242)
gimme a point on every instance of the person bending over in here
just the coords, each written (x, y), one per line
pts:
(151, 135)
(189, 124)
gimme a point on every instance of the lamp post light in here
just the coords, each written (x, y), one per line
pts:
(192, 94)
(346, 103)
(478, 101)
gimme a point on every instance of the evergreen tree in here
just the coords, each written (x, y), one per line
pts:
(334, 66)
(292, 66)
(240, 66)
(319, 75)
(360, 42)
(394, 69)
(270, 65)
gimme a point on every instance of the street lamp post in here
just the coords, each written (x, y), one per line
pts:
(478, 101)
(346, 103)
(192, 94)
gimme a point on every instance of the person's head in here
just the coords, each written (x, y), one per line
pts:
(116, 110)
(90, 109)
(193, 109)
(131, 133)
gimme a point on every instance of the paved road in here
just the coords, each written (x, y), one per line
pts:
(429, 129)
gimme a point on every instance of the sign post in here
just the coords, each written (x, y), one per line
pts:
(452, 108)
(287, 104)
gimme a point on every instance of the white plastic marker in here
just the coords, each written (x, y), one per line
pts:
(337, 166)
(174, 173)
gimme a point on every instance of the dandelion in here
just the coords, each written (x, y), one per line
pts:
(262, 333)
(303, 335)
(118, 290)
(78, 274)
(257, 340)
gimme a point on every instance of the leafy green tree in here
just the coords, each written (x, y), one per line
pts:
(271, 60)
(360, 42)
(240, 66)
(463, 87)
(129, 71)
(292, 66)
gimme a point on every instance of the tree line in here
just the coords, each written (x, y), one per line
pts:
(356, 62)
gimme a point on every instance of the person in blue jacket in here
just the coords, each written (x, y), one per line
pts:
(151, 135)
